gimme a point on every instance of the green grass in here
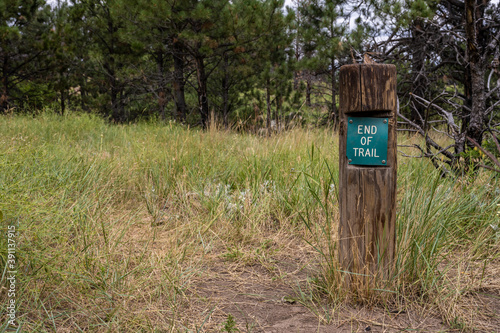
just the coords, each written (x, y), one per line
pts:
(115, 222)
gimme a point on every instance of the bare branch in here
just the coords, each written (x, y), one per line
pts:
(488, 95)
(487, 153)
(406, 130)
(488, 110)
(448, 116)
(424, 154)
(489, 80)
(428, 139)
(442, 132)
(411, 156)
(488, 167)
(495, 140)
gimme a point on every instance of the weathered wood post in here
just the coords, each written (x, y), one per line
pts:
(368, 166)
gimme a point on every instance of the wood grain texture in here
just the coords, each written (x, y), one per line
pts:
(367, 227)
(350, 92)
(378, 87)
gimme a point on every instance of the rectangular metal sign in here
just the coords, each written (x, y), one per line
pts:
(367, 140)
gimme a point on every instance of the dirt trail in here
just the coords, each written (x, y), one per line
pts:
(260, 301)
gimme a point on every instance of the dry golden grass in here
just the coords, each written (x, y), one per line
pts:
(145, 228)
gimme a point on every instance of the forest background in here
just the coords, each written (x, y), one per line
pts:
(252, 65)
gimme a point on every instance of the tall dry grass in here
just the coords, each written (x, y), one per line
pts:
(115, 222)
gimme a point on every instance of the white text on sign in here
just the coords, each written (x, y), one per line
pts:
(366, 140)
(367, 129)
(362, 152)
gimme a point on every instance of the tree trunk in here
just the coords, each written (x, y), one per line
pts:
(460, 142)
(225, 92)
(417, 70)
(474, 13)
(4, 98)
(278, 108)
(334, 115)
(116, 114)
(62, 89)
(161, 103)
(110, 67)
(63, 102)
(180, 102)
(256, 118)
(161, 93)
(308, 88)
(268, 102)
(202, 90)
(296, 73)
(83, 93)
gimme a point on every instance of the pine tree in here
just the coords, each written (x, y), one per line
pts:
(327, 39)
(110, 56)
(24, 35)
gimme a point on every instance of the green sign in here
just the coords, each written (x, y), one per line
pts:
(367, 140)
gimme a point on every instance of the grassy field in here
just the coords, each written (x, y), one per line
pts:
(118, 227)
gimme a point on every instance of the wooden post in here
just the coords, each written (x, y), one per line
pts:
(368, 167)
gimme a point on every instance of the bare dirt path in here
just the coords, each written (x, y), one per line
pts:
(254, 298)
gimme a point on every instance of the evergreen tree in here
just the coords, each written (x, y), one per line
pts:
(24, 41)
(243, 51)
(274, 60)
(327, 39)
(154, 30)
(65, 55)
(110, 56)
